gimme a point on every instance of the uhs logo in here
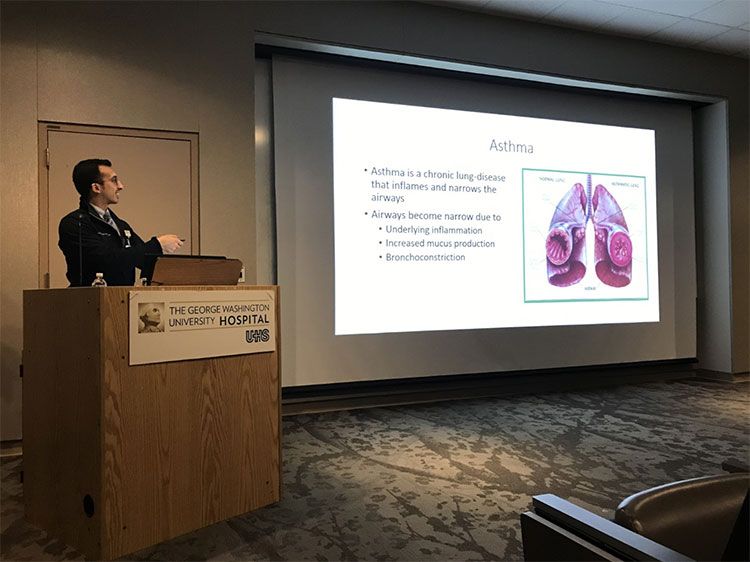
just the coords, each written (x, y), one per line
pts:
(257, 336)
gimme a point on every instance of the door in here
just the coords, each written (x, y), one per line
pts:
(159, 170)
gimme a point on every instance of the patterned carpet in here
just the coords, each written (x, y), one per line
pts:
(447, 481)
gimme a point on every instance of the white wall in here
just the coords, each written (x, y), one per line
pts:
(189, 66)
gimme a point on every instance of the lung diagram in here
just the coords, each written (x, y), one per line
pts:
(566, 238)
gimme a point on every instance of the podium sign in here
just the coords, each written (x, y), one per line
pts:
(178, 325)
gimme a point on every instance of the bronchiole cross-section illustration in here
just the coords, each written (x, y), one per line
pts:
(566, 239)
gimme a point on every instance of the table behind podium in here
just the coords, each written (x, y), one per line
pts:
(119, 457)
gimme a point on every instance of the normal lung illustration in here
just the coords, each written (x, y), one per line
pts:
(566, 239)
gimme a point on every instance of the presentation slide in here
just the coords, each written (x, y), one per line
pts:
(458, 220)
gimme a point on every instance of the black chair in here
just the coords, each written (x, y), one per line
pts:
(697, 519)
(703, 518)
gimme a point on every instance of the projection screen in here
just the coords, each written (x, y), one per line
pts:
(432, 225)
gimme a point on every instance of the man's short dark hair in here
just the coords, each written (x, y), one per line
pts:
(87, 172)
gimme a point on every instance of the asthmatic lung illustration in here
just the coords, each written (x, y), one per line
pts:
(566, 240)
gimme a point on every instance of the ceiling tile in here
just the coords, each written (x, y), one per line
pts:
(689, 32)
(639, 23)
(583, 13)
(634, 18)
(733, 13)
(734, 41)
(683, 8)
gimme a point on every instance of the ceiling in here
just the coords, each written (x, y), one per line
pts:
(721, 26)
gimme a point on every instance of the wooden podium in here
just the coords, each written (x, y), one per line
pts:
(117, 457)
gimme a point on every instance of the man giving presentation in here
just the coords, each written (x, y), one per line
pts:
(95, 240)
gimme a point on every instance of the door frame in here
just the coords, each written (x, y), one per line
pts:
(43, 129)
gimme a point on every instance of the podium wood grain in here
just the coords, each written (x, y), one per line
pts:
(162, 449)
(61, 413)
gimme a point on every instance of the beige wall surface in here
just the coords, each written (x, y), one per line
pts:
(189, 66)
(149, 65)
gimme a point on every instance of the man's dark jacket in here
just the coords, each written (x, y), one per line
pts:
(102, 249)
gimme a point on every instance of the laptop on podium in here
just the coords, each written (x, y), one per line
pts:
(172, 269)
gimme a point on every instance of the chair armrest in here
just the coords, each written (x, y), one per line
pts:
(603, 532)
(544, 541)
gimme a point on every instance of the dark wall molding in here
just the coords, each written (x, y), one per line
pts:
(366, 394)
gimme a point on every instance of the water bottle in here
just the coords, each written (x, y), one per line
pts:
(99, 281)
